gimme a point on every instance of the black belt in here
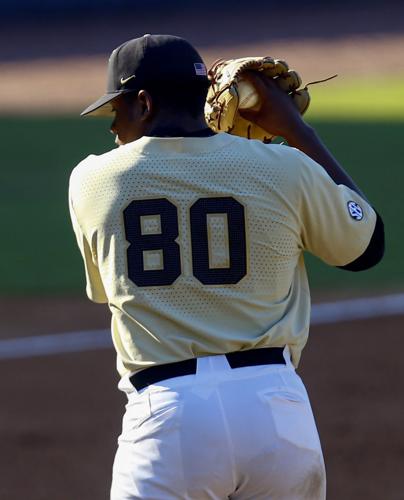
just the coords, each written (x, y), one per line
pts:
(253, 357)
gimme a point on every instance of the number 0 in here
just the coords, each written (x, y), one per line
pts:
(236, 241)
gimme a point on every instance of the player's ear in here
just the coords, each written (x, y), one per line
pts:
(146, 105)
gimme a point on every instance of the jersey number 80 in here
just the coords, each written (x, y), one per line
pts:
(154, 255)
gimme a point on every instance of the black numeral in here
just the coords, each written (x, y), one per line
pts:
(154, 259)
(236, 241)
(162, 243)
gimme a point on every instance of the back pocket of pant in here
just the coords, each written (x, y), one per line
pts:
(293, 418)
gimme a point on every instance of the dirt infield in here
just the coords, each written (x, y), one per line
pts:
(68, 86)
(62, 413)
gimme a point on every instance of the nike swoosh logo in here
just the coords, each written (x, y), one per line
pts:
(125, 80)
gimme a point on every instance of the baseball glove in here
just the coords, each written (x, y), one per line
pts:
(223, 99)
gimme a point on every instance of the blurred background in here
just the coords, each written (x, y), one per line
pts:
(61, 413)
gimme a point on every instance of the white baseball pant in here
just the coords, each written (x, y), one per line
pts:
(245, 433)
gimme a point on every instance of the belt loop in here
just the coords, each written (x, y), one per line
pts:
(125, 384)
(288, 357)
(203, 365)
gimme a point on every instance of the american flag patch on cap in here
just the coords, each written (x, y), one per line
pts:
(200, 69)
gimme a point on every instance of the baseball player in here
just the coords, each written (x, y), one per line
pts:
(195, 240)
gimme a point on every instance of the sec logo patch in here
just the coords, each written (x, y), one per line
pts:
(355, 210)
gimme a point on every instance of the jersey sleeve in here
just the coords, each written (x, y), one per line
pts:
(94, 286)
(337, 224)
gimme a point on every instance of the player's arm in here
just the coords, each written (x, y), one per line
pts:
(279, 116)
(94, 285)
(304, 138)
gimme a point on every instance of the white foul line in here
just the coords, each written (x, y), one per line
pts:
(45, 345)
(91, 340)
(354, 309)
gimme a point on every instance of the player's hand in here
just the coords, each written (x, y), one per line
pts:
(277, 113)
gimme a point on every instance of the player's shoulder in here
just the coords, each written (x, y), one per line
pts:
(97, 164)
(280, 158)
(292, 160)
(94, 161)
(282, 153)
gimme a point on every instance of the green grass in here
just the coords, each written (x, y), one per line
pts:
(357, 99)
(38, 253)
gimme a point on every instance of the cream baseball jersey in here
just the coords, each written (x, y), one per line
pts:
(197, 243)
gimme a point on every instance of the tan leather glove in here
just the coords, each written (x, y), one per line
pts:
(223, 100)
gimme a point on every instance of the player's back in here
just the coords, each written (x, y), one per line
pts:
(196, 243)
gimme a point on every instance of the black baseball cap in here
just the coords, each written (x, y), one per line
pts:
(153, 59)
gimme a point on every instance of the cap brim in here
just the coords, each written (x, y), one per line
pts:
(103, 106)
